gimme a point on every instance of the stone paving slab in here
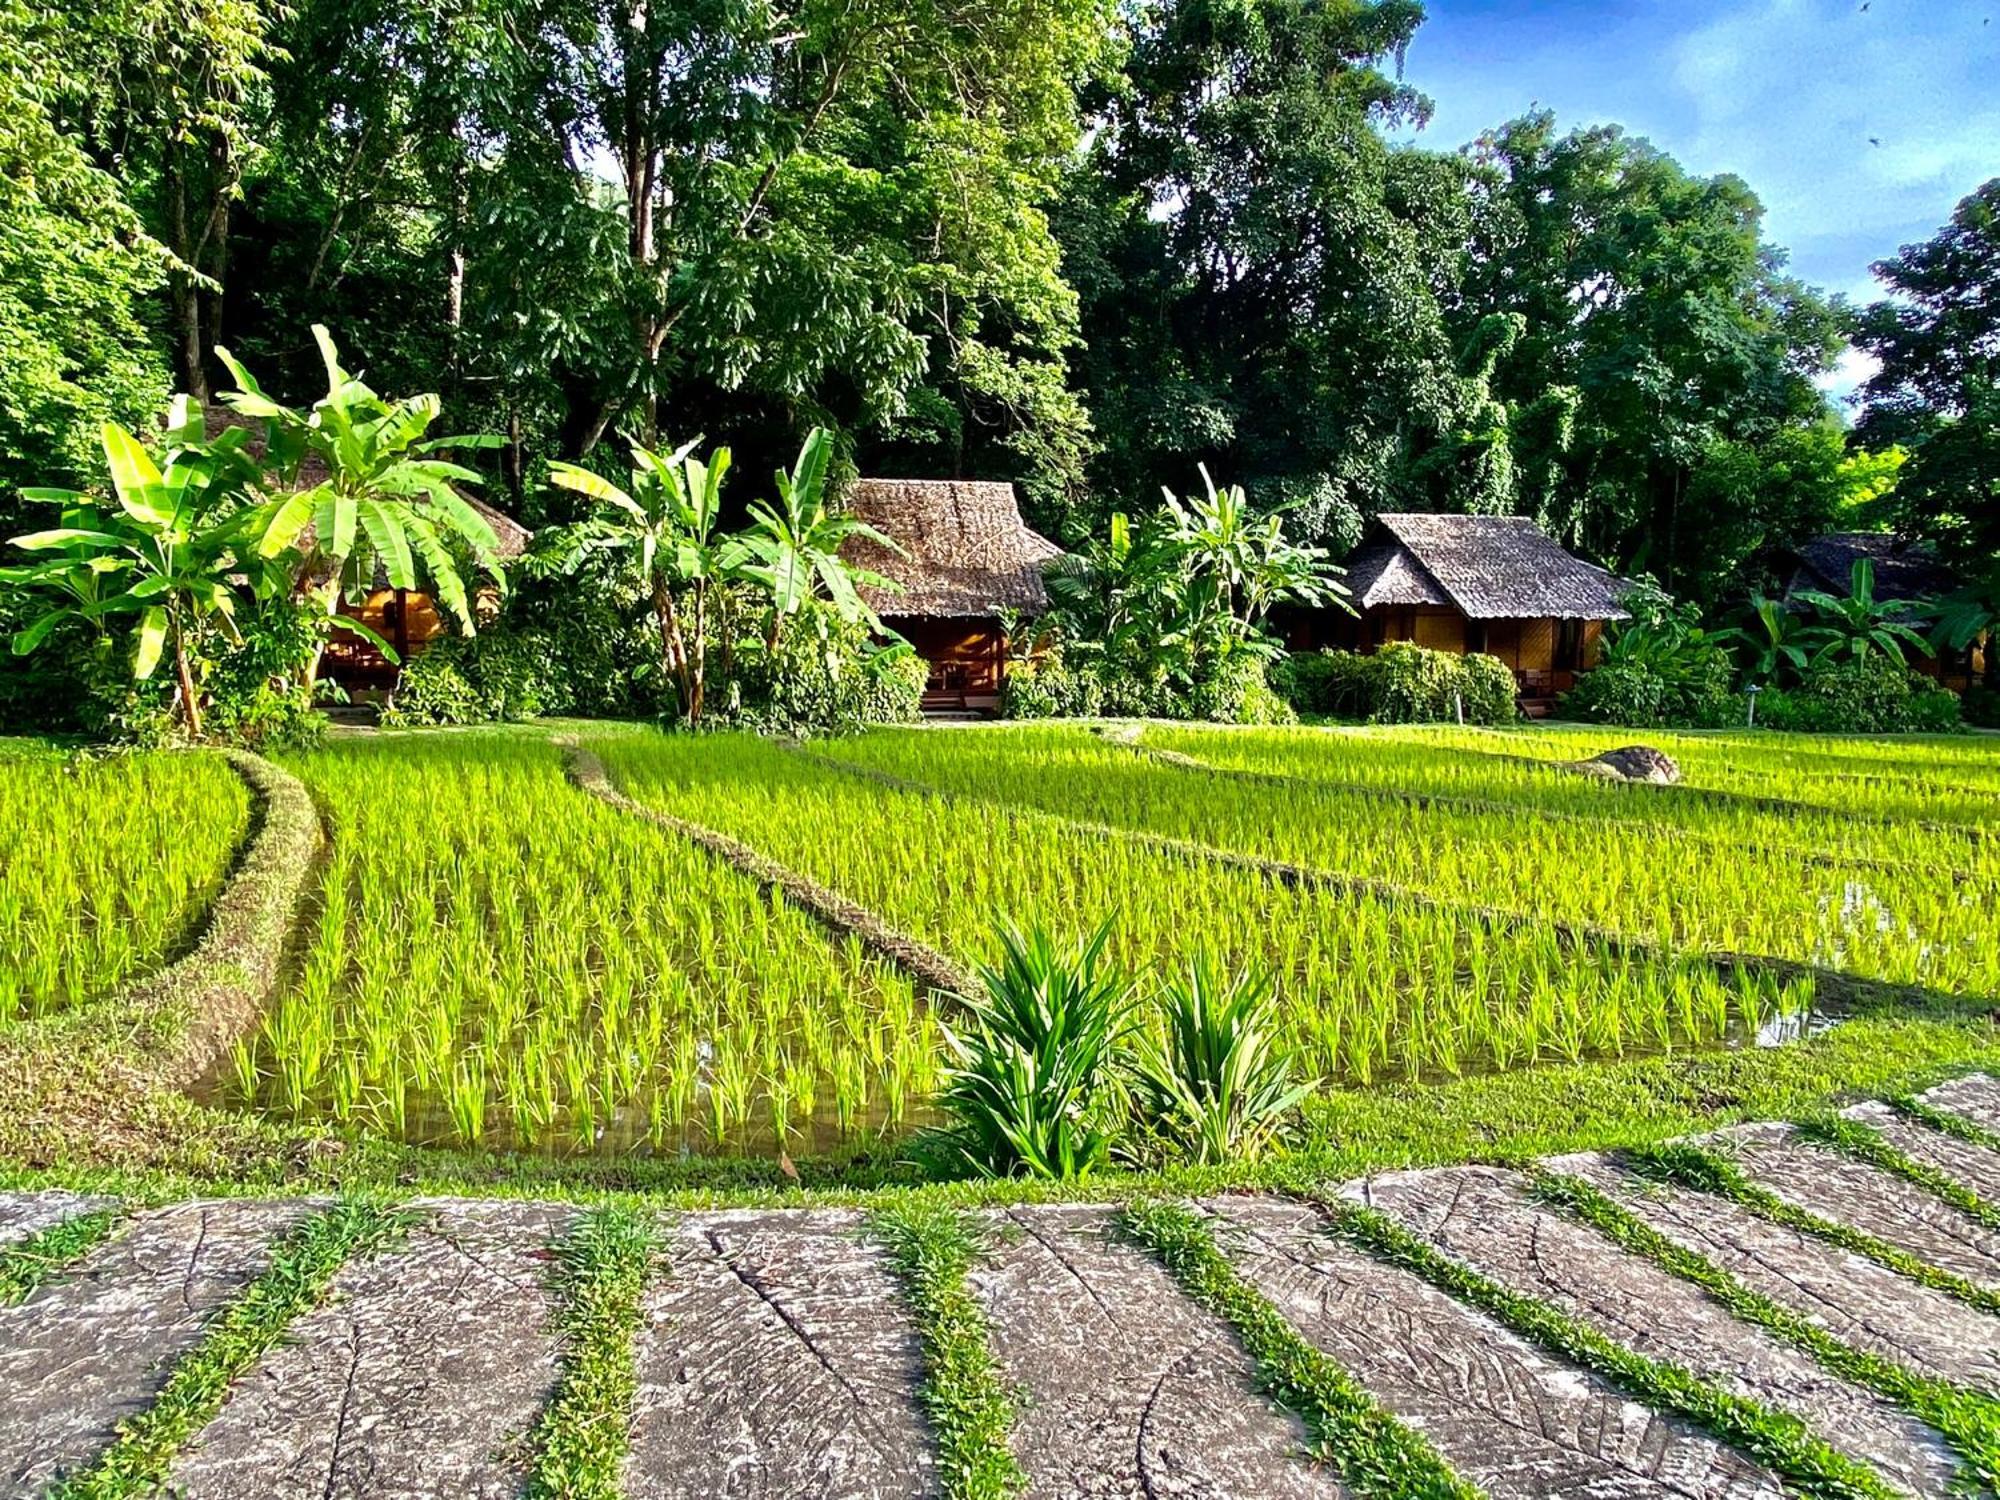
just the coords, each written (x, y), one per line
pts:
(777, 1359)
(95, 1346)
(1970, 1166)
(1130, 1389)
(1976, 1097)
(1510, 1419)
(23, 1215)
(1837, 1187)
(420, 1374)
(1484, 1218)
(1850, 1296)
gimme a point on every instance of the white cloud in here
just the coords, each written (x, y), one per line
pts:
(1792, 94)
(1850, 372)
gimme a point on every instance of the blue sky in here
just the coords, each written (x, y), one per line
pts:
(1784, 93)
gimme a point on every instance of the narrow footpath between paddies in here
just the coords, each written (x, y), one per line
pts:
(1808, 1308)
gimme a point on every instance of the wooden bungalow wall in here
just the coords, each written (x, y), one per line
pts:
(1546, 655)
(967, 659)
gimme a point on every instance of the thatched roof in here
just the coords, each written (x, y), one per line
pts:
(970, 553)
(1486, 567)
(1903, 569)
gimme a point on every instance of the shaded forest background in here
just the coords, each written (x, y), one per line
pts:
(1078, 246)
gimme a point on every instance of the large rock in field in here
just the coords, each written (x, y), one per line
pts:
(1631, 763)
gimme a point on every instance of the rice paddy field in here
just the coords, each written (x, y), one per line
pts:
(494, 958)
(489, 957)
(107, 864)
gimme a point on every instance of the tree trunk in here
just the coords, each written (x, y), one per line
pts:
(673, 649)
(190, 705)
(183, 296)
(698, 667)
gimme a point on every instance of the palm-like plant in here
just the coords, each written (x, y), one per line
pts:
(1780, 639)
(177, 551)
(1029, 1080)
(1861, 626)
(795, 544)
(667, 522)
(1241, 564)
(1966, 617)
(386, 499)
(1101, 591)
(1215, 1082)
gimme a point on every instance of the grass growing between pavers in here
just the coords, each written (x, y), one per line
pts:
(971, 1407)
(303, 1264)
(1943, 1121)
(1684, 1164)
(601, 1269)
(28, 1263)
(1372, 1452)
(1968, 1420)
(1776, 1439)
(1865, 1144)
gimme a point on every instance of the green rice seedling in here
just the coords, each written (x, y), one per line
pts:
(536, 969)
(1370, 986)
(107, 865)
(1212, 1079)
(1889, 901)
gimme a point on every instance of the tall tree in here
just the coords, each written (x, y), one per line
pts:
(1938, 390)
(1262, 274)
(75, 264)
(1651, 294)
(811, 203)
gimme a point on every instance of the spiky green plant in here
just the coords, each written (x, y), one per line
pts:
(1214, 1080)
(1029, 1079)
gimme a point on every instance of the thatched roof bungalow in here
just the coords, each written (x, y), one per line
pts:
(970, 556)
(1906, 571)
(409, 619)
(1495, 584)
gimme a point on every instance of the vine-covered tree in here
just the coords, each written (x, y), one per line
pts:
(1937, 393)
(1651, 295)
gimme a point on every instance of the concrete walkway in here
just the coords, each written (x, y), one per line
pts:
(777, 1357)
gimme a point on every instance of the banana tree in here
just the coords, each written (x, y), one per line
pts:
(1781, 639)
(177, 551)
(1238, 564)
(1861, 625)
(386, 498)
(795, 545)
(1964, 619)
(667, 520)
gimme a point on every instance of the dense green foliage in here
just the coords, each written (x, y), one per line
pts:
(1399, 684)
(1938, 394)
(1076, 245)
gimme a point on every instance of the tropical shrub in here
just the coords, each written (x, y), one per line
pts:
(1212, 1081)
(1401, 683)
(1639, 695)
(1981, 706)
(824, 676)
(1049, 687)
(434, 688)
(1031, 1082)
(1868, 694)
(1236, 691)
(1168, 612)
(1660, 669)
